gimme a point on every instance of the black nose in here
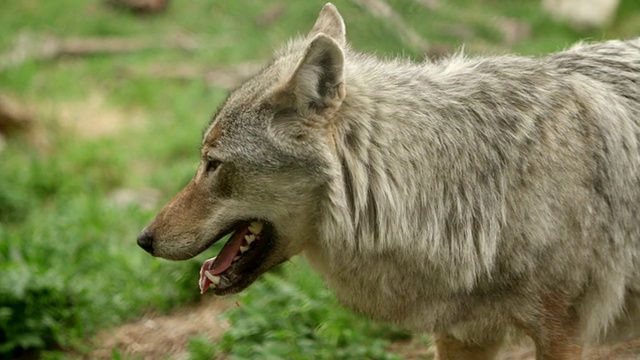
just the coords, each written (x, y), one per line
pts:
(145, 241)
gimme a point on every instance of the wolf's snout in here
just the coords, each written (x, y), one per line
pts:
(145, 241)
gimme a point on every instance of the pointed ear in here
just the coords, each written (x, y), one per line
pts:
(330, 23)
(317, 83)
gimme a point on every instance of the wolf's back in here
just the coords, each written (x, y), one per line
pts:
(615, 63)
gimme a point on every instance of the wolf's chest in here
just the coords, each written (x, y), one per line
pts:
(396, 294)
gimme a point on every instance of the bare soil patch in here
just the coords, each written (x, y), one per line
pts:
(93, 118)
(157, 336)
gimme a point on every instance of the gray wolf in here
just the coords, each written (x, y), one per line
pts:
(477, 199)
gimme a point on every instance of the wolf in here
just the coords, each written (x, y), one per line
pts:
(477, 199)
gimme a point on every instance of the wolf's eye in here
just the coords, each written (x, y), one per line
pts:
(212, 164)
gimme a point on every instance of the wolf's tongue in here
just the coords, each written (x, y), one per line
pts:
(228, 252)
(221, 263)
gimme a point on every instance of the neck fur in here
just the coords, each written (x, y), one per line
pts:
(395, 190)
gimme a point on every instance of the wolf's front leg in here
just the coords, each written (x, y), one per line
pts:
(562, 346)
(556, 329)
(451, 348)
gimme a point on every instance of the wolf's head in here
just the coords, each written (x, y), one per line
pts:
(264, 164)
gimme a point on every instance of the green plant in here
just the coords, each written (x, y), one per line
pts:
(35, 307)
(201, 348)
(297, 317)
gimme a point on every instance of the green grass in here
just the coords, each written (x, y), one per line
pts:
(296, 317)
(69, 264)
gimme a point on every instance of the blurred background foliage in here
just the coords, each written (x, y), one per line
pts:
(110, 107)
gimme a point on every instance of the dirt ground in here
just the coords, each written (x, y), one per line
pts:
(161, 336)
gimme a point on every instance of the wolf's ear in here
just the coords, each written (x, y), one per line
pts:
(317, 83)
(330, 23)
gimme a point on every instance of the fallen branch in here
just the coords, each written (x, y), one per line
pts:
(29, 47)
(429, 4)
(226, 77)
(140, 6)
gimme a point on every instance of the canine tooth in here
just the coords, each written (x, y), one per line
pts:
(236, 258)
(214, 279)
(255, 227)
(250, 238)
(244, 249)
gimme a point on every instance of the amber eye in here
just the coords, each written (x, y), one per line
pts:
(212, 164)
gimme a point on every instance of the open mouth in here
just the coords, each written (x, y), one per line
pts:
(238, 263)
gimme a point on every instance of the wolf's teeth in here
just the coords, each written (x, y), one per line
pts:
(211, 262)
(236, 258)
(215, 280)
(244, 249)
(255, 227)
(250, 238)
